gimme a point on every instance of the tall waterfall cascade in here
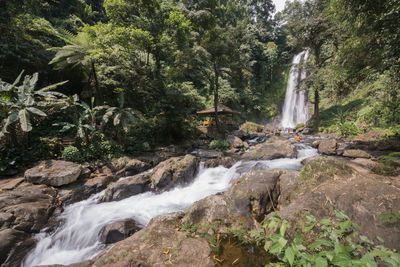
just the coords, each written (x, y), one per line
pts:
(295, 109)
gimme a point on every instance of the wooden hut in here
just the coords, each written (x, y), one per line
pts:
(225, 116)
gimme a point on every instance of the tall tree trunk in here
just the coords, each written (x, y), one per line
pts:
(216, 89)
(96, 84)
(316, 109)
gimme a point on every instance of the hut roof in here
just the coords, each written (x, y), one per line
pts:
(220, 109)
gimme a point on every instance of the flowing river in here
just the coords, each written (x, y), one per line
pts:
(77, 237)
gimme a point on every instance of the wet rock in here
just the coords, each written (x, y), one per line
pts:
(327, 147)
(118, 231)
(135, 166)
(250, 197)
(272, 149)
(159, 244)
(127, 188)
(209, 154)
(11, 183)
(315, 143)
(227, 162)
(31, 206)
(236, 142)
(54, 173)
(173, 171)
(241, 134)
(356, 153)
(6, 219)
(13, 247)
(82, 189)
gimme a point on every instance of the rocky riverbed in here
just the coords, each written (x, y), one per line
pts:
(343, 179)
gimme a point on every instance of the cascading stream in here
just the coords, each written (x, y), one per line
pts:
(295, 109)
(77, 238)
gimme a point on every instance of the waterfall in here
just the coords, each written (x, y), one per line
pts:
(295, 106)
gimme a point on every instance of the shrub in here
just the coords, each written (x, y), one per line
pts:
(348, 129)
(300, 125)
(100, 149)
(72, 153)
(220, 145)
(339, 243)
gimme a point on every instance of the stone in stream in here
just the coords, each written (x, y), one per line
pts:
(174, 171)
(356, 153)
(13, 247)
(118, 231)
(327, 147)
(126, 188)
(54, 173)
(274, 148)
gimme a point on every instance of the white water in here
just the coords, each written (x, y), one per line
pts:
(77, 238)
(295, 106)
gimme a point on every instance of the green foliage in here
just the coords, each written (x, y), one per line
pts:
(99, 149)
(388, 165)
(20, 102)
(300, 125)
(339, 243)
(251, 127)
(72, 153)
(220, 145)
(391, 218)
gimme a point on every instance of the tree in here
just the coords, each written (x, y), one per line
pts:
(77, 54)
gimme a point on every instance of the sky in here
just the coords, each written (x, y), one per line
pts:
(279, 5)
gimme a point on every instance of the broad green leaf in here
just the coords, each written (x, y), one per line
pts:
(325, 222)
(320, 242)
(311, 218)
(37, 111)
(282, 241)
(267, 245)
(341, 215)
(380, 239)
(320, 262)
(52, 86)
(24, 120)
(275, 249)
(283, 227)
(131, 117)
(290, 254)
(117, 119)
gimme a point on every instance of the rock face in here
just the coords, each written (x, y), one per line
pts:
(227, 162)
(54, 173)
(209, 154)
(118, 231)
(127, 166)
(128, 187)
(327, 147)
(23, 211)
(274, 148)
(356, 153)
(13, 246)
(173, 171)
(84, 188)
(236, 142)
(328, 184)
(251, 197)
(159, 244)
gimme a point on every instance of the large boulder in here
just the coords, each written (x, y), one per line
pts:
(356, 153)
(24, 210)
(274, 148)
(236, 142)
(82, 189)
(327, 147)
(209, 154)
(174, 171)
(13, 247)
(227, 162)
(127, 188)
(54, 173)
(327, 184)
(159, 244)
(250, 197)
(128, 167)
(118, 231)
